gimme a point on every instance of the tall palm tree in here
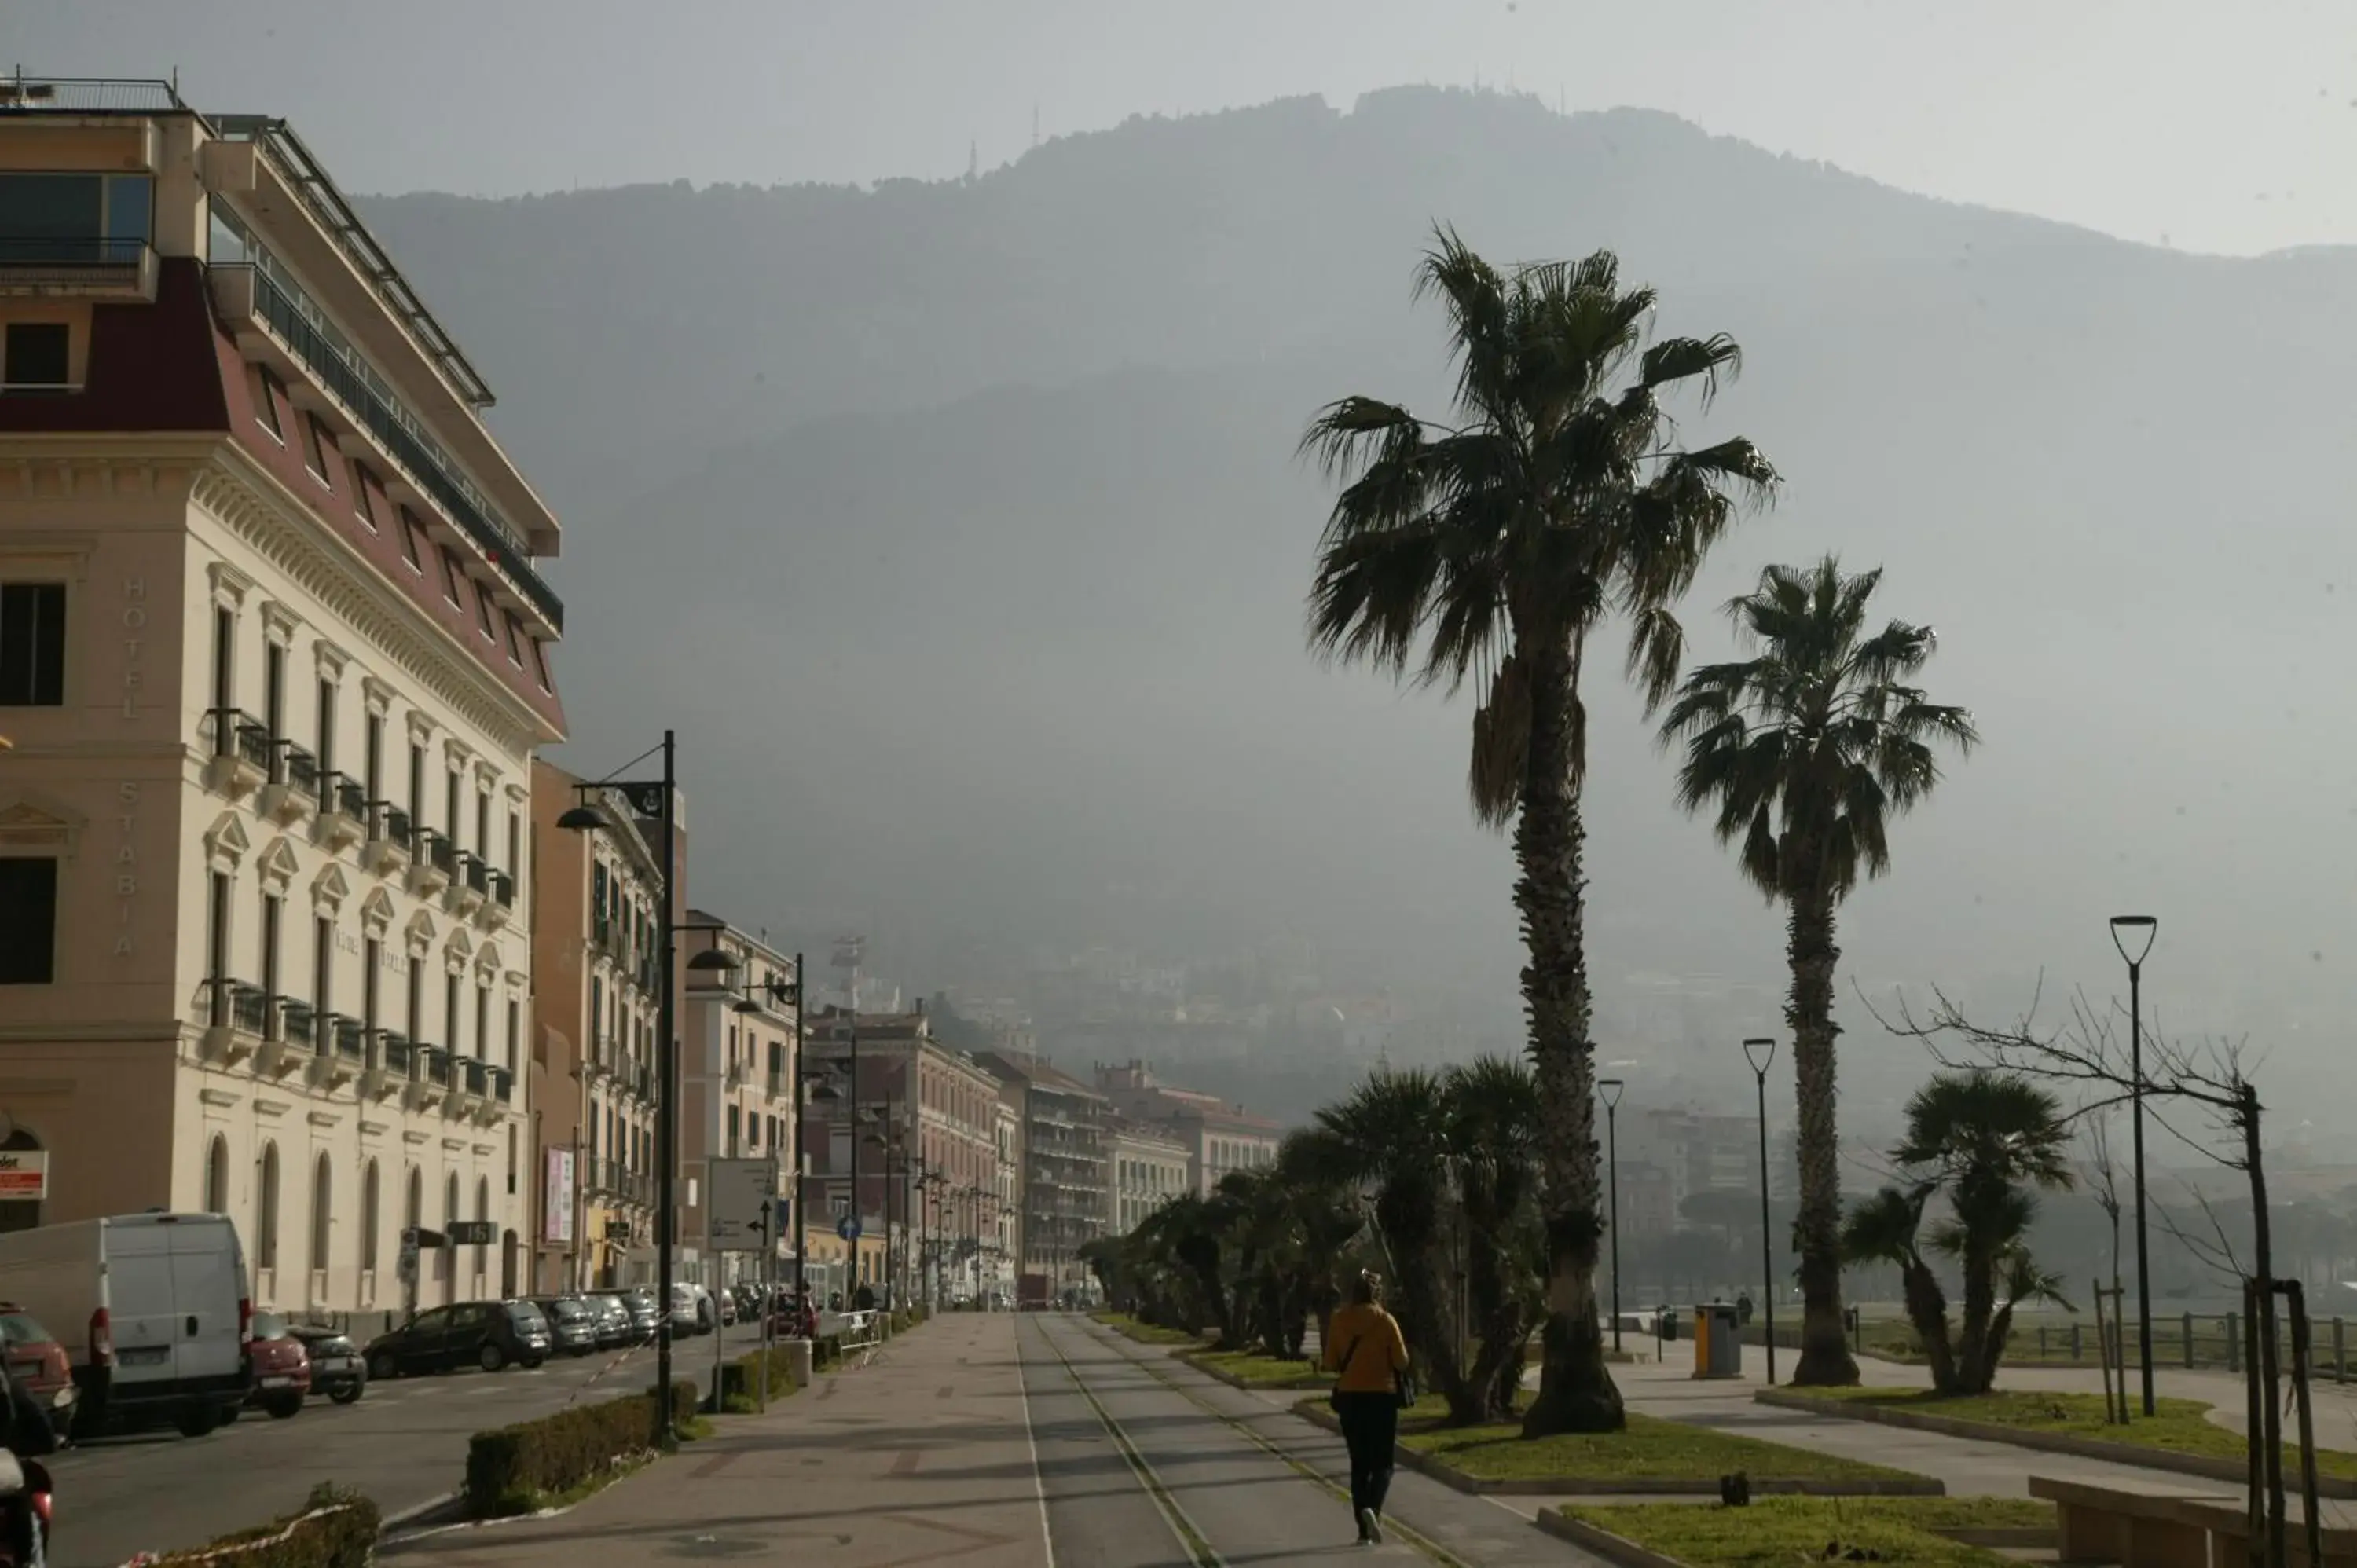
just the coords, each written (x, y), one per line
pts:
(1488, 546)
(1804, 753)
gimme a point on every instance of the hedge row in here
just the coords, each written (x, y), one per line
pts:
(740, 1379)
(335, 1529)
(516, 1469)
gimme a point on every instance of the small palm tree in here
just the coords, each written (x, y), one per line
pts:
(1388, 1138)
(1804, 754)
(1490, 546)
(1493, 1136)
(1989, 1142)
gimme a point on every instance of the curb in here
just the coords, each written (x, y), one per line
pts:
(2127, 1453)
(1633, 1486)
(1613, 1549)
(1307, 1381)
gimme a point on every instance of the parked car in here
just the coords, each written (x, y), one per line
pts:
(571, 1323)
(157, 1308)
(645, 1317)
(338, 1368)
(278, 1367)
(40, 1364)
(486, 1334)
(614, 1326)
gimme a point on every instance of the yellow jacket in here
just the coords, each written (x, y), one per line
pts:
(1370, 1337)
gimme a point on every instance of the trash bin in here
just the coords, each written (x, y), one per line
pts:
(798, 1358)
(1669, 1322)
(1719, 1341)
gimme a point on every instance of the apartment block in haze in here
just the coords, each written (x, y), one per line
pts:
(274, 662)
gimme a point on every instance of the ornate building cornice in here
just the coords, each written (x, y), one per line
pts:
(253, 505)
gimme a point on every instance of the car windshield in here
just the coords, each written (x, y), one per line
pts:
(523, 1314)
(568, 1310)
(270, 1325)
(23, 1328)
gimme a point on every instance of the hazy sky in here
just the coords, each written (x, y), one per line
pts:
(2218, 127)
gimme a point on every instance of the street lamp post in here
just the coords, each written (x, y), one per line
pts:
(2124, 930)
(1609, 1089)
(1761, 1052)
(585, 817)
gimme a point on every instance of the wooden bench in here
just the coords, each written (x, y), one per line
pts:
(2157, 1525)
(2135, 1524)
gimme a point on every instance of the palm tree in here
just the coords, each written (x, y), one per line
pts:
(1388, 1139)
(1804, 753)
(1989, 1142)
(1488, 546)
(1492, 1134)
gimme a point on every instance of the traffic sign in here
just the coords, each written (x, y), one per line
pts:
(847, 1228)
(473, 1232)
(736, 1216)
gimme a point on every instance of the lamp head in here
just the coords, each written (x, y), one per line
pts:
(714, 960)
(1608, 1091)
(1761, 1052)
(581, 820)
(2138, 929)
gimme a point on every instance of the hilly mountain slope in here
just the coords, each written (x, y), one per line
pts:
(959, 527)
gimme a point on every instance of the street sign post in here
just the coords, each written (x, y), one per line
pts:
(737, 1210)
(472, 1232)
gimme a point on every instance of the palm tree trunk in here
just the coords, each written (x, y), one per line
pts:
(1826, 1360)
(1575, 1391)
(1927, 1309)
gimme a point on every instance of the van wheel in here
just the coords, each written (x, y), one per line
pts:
(492, 1358)
(382, 1366)
(196, 1420)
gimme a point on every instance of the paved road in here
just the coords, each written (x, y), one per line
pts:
(992, 1441)
(403, 1443)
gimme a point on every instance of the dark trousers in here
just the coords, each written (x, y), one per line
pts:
(1371, 1427)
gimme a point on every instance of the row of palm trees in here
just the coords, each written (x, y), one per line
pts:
(1429, 1178)
(1494, 547)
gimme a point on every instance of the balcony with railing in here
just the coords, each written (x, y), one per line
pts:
(342, 1050)
(236, 1015)
(498, 908)
(293, 793)
(247, 294)
(470, 883)
(243, 756)
(343, 809)
(429, 1076)
(49, 266)
(289, 1036)
(386, 1065)
(390, 838)
(432, 859)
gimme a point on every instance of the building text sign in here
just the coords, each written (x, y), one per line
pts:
(24, 1175)
(556, 1200)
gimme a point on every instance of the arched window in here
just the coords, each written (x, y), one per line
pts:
(266, 1226)
(216, 1176)
(369, 1220)
(413, 1213)
(446, 1256)
(482, 1211)
(323, 1187)
(19, 1213)
(450, 1197)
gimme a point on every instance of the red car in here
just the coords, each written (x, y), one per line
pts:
(40, 1364)
(278, 1368)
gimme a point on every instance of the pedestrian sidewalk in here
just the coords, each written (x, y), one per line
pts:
(923, 1455)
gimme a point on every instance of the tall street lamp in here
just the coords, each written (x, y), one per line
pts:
(1761, 1052)
(1609, 1090)
(2140, 929)
(657, 799)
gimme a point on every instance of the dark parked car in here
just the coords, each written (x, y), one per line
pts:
(278, 1367)
(614, 1327)
(645, 1316)
(40, 1364)
(486, 1334)
(338, 1368)
(571, 1323)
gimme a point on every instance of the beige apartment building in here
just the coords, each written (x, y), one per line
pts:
(1220, 1137)
(1150, 1166)
(273, 663)
(596, 901)
(739, 1053)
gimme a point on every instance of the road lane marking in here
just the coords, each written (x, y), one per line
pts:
(1038, 1485)
(1190, 1535)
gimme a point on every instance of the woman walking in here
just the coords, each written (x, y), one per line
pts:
(1363, 1345)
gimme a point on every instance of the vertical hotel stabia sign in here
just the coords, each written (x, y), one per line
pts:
(556, 1201)
(24, 1175)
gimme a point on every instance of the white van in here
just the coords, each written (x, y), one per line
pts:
(152, 1309)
